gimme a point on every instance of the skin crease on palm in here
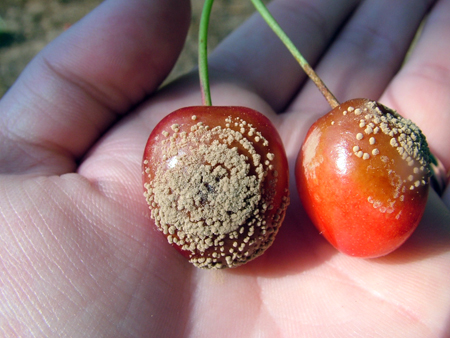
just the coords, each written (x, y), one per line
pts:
(79, 255)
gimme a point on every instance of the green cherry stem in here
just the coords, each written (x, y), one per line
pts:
(203, 53)
(264, 12)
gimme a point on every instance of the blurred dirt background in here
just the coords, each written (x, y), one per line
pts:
(26, 26)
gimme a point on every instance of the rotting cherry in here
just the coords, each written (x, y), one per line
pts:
(216, 181)
(363, 172)
(363, 177)
(216, 178)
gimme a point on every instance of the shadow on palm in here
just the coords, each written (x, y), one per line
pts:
(299, 247)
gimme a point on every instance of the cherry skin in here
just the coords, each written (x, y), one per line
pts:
(216, 181)
(363, 177)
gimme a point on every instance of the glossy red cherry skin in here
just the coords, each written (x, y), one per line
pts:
(216, 181)
(363, 177)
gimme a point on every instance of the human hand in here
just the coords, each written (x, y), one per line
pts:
(79, 254)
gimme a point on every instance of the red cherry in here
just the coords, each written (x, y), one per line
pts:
(363, 177)
(216, 181)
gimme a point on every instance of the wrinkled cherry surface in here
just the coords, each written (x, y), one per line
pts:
(216, 181)
(363, 177)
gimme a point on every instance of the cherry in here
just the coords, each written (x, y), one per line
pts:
(216, 178)
(363, 172)
(363, 177)
(216, 181)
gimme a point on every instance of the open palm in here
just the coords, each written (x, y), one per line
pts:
(79, 255)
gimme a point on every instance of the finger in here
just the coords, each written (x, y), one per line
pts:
(420, 91)
(76, 87)
(361, 61)
(254, 58)
(367, 54)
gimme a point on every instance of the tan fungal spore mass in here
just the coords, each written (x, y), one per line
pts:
(391, 147)
(408, 157)
(213, 187)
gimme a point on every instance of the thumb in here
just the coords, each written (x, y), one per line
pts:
(76, 87)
